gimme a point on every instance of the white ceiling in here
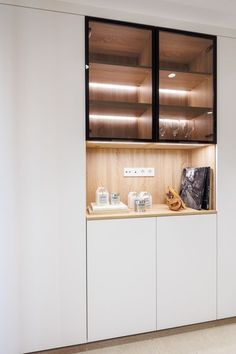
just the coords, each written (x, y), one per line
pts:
(220, 13)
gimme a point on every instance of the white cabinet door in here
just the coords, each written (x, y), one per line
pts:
(42, 88)
(186, 270)
(121, 277)
(226, 193)
(9, 240)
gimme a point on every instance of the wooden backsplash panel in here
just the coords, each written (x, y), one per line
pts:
(105, 168)
(207, 157)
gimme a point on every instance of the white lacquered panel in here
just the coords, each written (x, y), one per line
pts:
(226, 193)
(186, 270)
(9, 239)
(121, 277)
(48, 49)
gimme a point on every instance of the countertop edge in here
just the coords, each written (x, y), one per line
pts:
(148, 214)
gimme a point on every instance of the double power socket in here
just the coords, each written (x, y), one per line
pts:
(139, 172)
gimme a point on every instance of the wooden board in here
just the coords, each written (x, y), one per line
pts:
(157, 211)
(145, 125)
(100, 128)
(181, 49)
(143, 146)
(114, 108)
(181, 112)
(113, 94)
(118, 74)
(119, 40)
(105, 168)
(183, 80)
(202, 95)
(203, 62)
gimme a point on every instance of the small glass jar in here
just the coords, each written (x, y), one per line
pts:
(102, 196)
(115, 198)
(139, 205)
(147, 197)
(131, 198)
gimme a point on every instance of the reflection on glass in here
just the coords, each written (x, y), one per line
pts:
(186, 87)
(176, 129)
(120, 81)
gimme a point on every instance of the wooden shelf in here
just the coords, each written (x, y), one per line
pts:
(158, 210)
(181, 49)
(172, 69)
(186, 112)
(118, 74)
(115, 40)
(143, 146)
(183, 80)
(118, 108)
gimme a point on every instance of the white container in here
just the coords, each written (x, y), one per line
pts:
(140, 205)
(131, 198)
(102, 196)
(147, 197)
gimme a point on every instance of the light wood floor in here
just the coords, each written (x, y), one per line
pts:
(137, 339)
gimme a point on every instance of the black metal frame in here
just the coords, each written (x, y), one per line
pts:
(155, 80)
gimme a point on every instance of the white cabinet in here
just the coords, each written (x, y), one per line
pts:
(9, 240)
(226, 193)
(186, 270)
(121, 277)
(42, 108)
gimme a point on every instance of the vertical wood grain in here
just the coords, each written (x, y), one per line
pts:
(105, 168)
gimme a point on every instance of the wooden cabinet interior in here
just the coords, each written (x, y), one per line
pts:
(121, 84)
(121, 105)
(120, 81)
(186, 87)
(105, 168)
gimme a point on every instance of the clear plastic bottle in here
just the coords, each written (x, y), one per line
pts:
(115, 198)
(147, 197)
(102, 196)
(131, 198)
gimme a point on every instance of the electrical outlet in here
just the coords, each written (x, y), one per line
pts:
(139, 172)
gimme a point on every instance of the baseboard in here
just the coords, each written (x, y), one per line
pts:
(137, 337)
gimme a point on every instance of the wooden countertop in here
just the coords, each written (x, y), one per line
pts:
(156, 211)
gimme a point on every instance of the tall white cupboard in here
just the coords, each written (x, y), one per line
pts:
(43, 171)
(226, 178)
(171, 281)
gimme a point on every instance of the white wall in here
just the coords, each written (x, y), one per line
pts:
(162, 13)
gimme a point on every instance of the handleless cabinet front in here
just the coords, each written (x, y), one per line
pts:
(121, 277)
(186, 270)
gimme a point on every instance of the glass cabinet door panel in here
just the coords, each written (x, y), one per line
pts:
(186, 87)
(120, 81)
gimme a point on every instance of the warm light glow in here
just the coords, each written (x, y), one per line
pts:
(172, 120)
(131, 88)
(210, 112)
(119, 118)
(172, 75)
(173, 92)
(113, 86)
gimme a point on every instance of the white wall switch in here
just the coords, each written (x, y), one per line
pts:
(139, 172)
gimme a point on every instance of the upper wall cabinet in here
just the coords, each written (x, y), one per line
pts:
(120, 82)
(186, 87)
(149, 84)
